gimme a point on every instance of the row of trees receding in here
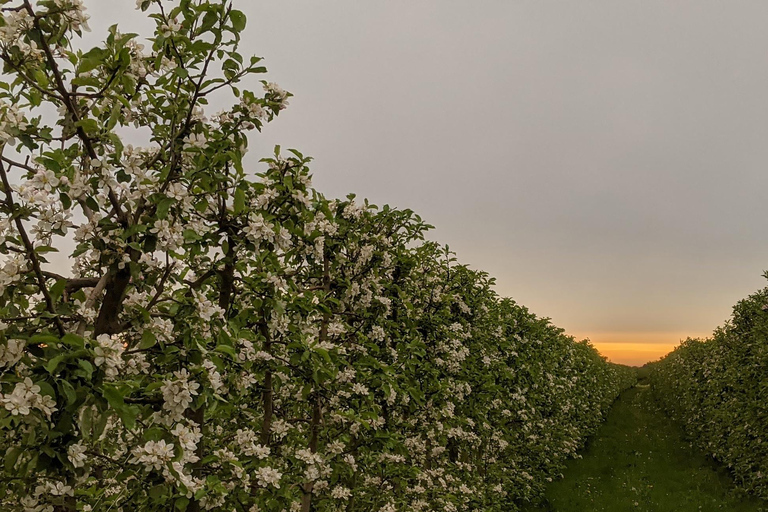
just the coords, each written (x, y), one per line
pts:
(717, 388)
(231, 341)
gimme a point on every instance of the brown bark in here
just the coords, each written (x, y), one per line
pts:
(108, 320)
(306, 499)
(267, 398)
(227, 276)
(226, 286)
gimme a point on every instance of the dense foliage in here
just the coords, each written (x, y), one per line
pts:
(718, 389)
(231, 341)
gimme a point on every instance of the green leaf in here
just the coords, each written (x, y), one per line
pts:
(91, 203)
(58, 289)
(148, 339)
(114, 397)
(41, 77)
(133, 229)
(157, 491)
(154, 434)
(117, 402)
(86, 421)
(124, 58)
(201, 205)
(238, 20)
(87, 369)
(324, 354)
(11, 456)
(44, 339)
(92, 59)
(90, 126)
(53, 364)
(209, 20)
(114, 116)
(73, 340)
(67, 390)
(98, 428)
(46, 389)
(226, 349)
(128, 415)
(163, 206)
(239, 205)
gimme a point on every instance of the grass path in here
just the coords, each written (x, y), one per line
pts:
(639, 461)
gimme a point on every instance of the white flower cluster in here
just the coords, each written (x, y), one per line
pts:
(16, 22)
(276, 93)
(188, 438)
(317, 467)
(215, 378)
(169, 235)
(267, 476)
(259, 229)
(207, 309)
(76, 455)
(153, 454)
(341, 493)
(246, 440)
(73, 15)
(25, 397)
(54, 489)
(11, 352)
(52, 218)
(109, 354)
(169, 28)
(12, 270)
(11, 118)
(178, 394)
(133, 163)
(353, 210)
(195, 141)
(253, 109)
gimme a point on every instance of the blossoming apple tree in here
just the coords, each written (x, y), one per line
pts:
(232, 340)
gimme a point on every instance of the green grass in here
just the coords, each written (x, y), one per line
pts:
(639, 460)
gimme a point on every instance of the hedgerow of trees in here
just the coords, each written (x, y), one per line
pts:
(226, 340)
(717, 388)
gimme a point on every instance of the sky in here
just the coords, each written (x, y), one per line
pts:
(604, 161)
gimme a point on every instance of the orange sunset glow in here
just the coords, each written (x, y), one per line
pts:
(636, 348)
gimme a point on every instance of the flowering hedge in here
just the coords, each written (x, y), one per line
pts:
(234, 341)
(717, 388)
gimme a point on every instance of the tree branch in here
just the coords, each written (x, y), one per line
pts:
(92, 300)
(30, 250)
(73, 283)
(66, 97)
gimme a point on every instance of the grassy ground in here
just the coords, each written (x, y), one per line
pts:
(640, 461)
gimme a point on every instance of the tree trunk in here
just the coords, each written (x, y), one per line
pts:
(108, 320)
(266, 396)
(306, 499)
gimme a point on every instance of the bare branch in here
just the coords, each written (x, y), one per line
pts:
(92, 300)
(73, 283)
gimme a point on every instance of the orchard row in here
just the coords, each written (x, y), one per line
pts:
(717, 389)
(233, 341)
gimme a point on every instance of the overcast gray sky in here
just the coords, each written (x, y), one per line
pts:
(605, 161)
